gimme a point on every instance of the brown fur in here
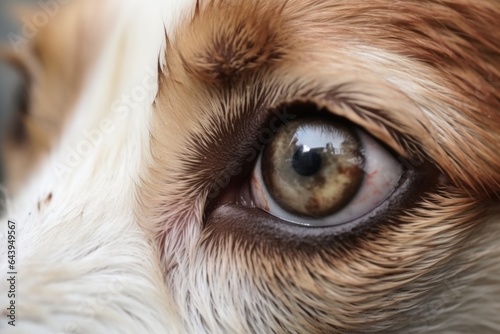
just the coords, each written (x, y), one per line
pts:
(369, 282)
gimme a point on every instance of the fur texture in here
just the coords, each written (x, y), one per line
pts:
(123, 237)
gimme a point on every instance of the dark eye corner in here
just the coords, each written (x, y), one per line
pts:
(15, 83)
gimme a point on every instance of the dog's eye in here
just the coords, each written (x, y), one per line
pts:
(317, 175)
(323, 171)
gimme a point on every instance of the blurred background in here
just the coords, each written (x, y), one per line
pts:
(9, 80)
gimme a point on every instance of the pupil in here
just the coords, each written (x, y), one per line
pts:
(306, 163)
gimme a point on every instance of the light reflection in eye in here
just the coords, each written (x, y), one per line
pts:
(380, 174)
(322, 137)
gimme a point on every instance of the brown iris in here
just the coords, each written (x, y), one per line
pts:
(313, 167)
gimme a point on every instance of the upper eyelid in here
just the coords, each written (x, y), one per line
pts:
(365, 103)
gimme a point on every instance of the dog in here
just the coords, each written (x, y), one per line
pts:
(230, 166)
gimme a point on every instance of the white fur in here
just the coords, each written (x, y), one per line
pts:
(83, 263)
